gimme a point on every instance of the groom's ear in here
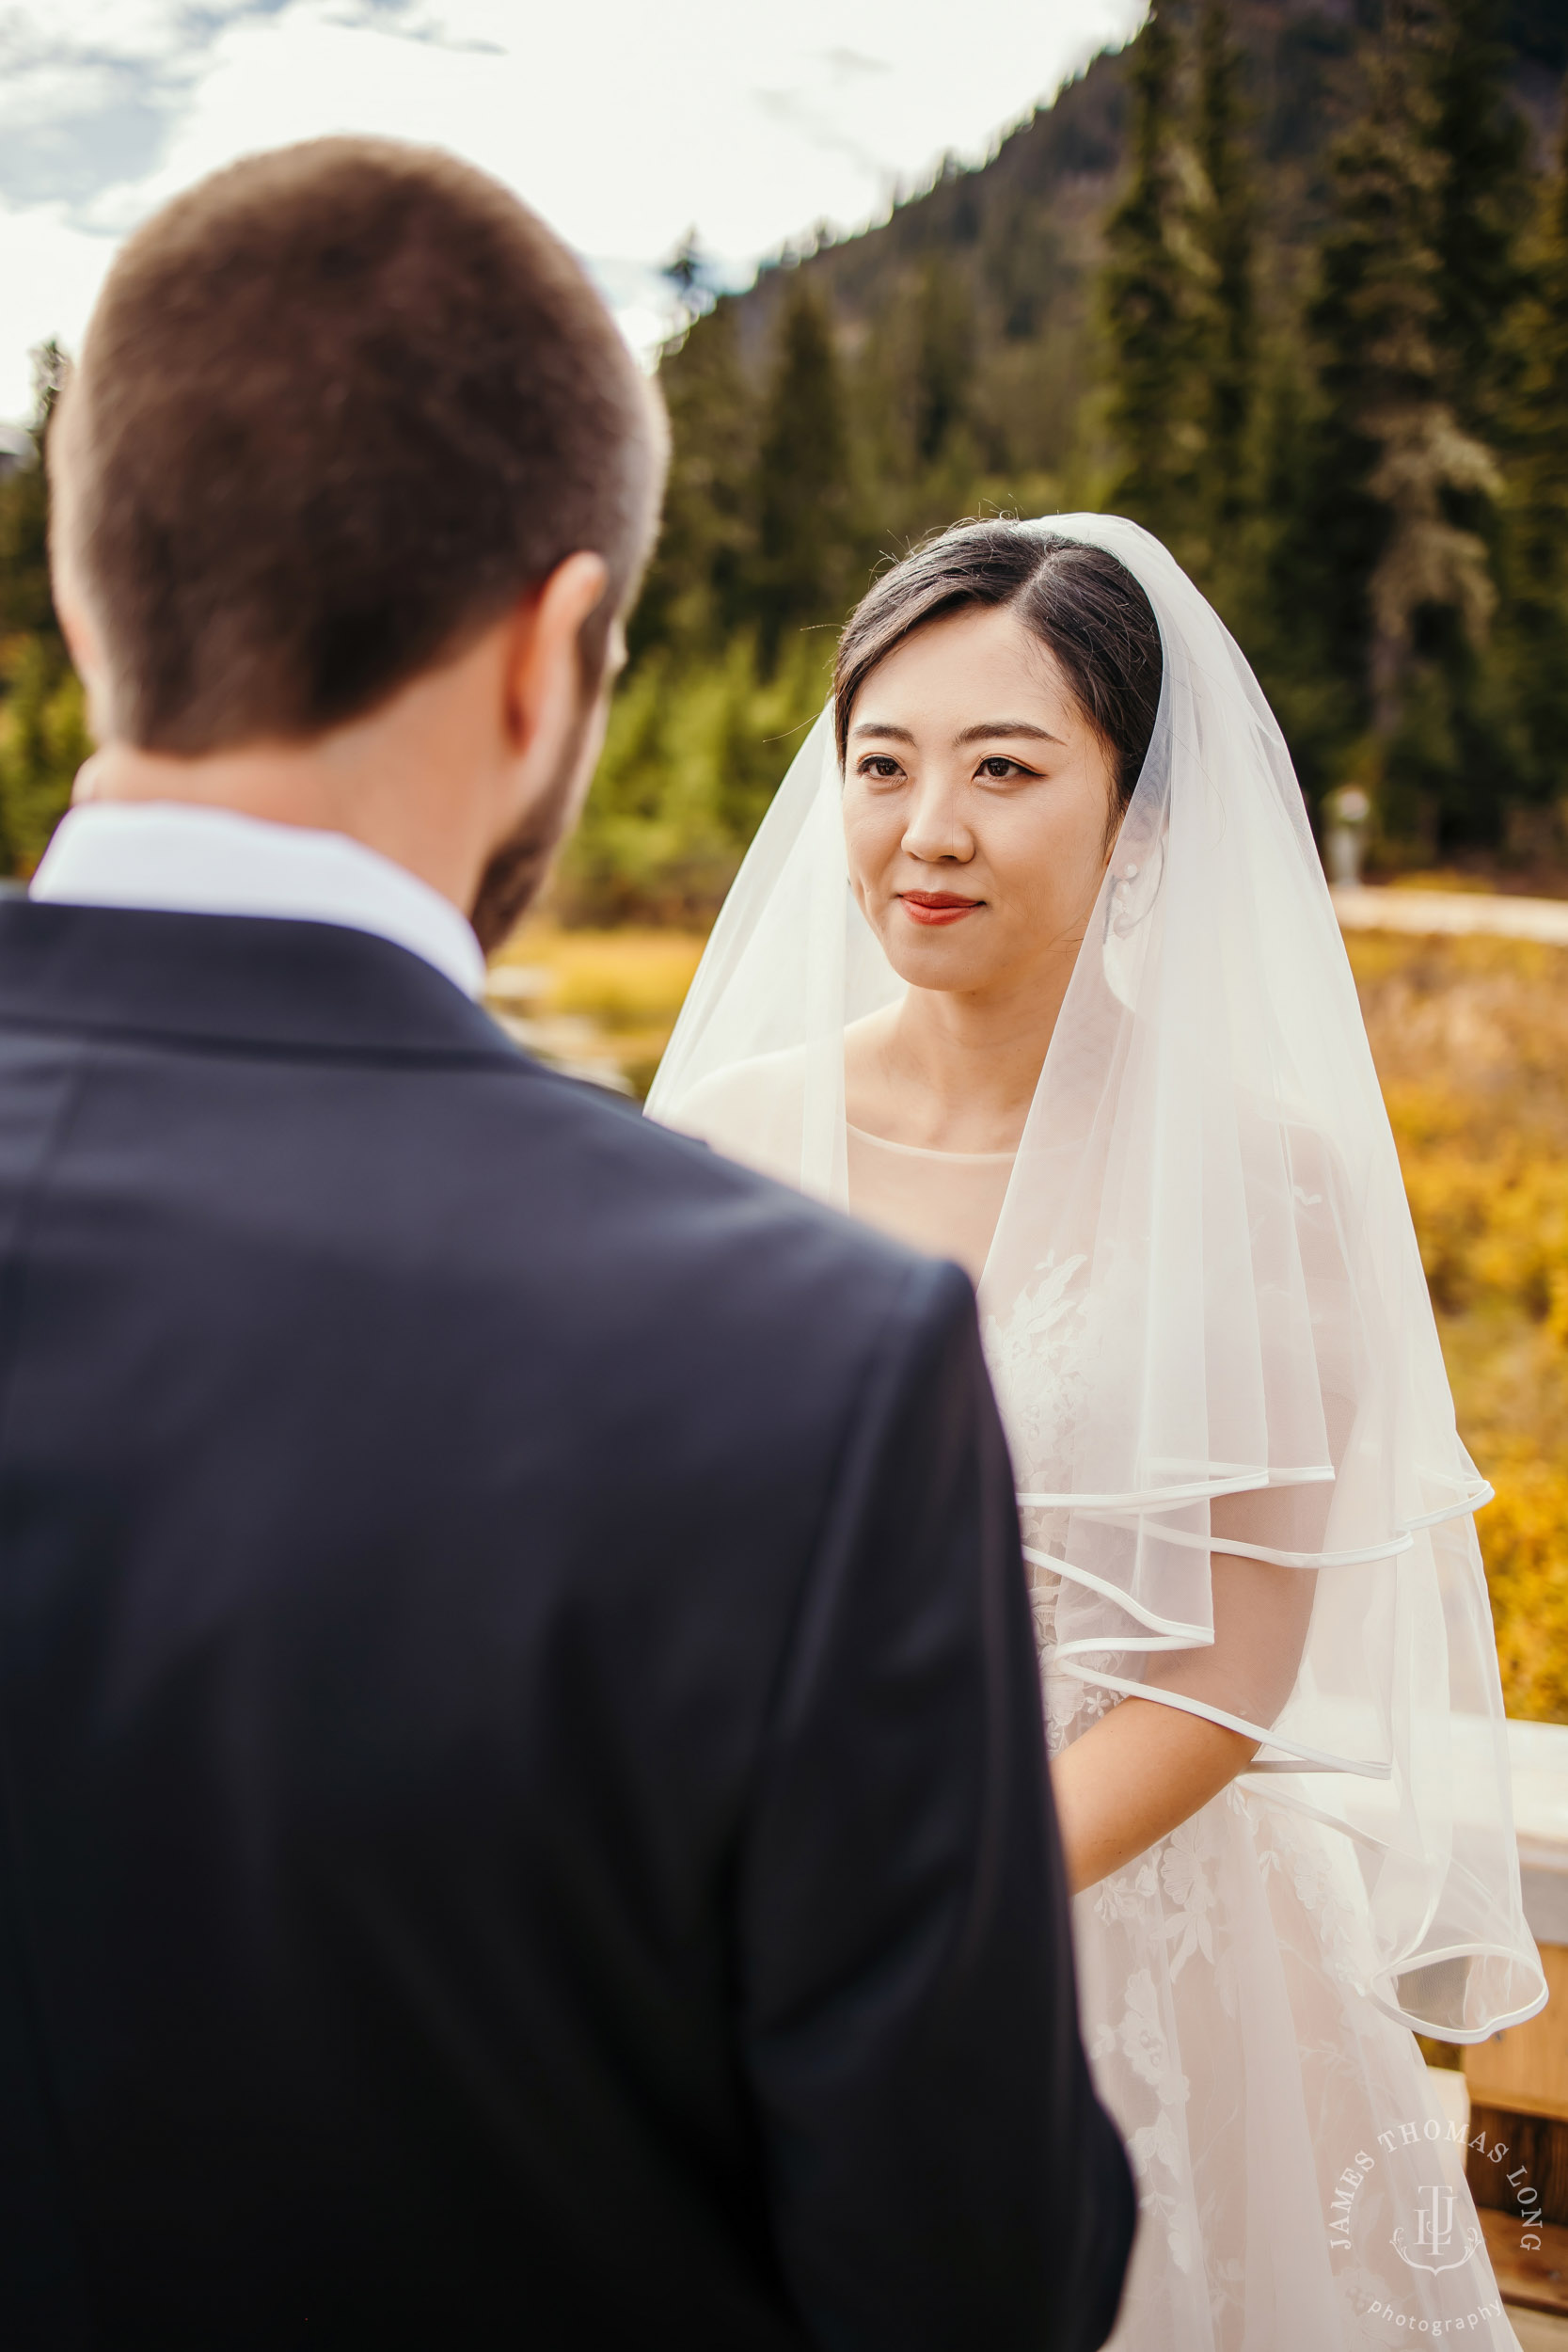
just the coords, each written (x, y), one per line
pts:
(77, 631)
(84, 640)
(69, 606)
(84, 647)
(561, 656)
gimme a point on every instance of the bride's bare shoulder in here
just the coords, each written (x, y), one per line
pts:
(754, 1110)
(751, 1110)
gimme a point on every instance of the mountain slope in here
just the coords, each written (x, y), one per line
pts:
(1019, 237)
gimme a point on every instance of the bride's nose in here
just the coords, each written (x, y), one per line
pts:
(936, 829)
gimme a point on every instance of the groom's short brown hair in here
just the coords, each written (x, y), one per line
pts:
(338, 407)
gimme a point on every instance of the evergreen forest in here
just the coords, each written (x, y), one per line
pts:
(1287, 280)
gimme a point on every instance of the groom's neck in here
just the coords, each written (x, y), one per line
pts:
(414, 779)
(286, 787)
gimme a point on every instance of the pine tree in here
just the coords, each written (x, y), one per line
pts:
(689, 275)
(945, 360)
(1226, 230)
(1474, 752)
(1287, 626)
(1535, 560)
(1150, 301)
(1391, 454)
(805, 525)
(697, 590)
(1483, 203)
(26, 601)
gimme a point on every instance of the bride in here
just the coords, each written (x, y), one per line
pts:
(1032, 962)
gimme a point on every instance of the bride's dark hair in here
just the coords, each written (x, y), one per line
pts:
(1077, 600)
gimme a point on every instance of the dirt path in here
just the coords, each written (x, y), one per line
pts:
(1454, 913)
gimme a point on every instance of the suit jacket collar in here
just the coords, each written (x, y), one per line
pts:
(176, 858)
(250, 982)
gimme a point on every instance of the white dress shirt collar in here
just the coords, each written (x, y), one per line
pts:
(175, 858)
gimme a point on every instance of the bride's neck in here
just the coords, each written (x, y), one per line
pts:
(952, 1072)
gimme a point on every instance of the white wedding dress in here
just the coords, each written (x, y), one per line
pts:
(1216, 1361)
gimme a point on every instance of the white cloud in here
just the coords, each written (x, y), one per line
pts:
(624, 124)
(50, 274)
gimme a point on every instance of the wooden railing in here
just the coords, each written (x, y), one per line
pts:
(1517, 2081)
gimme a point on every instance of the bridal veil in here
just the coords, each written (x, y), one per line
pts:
(1204, 1307)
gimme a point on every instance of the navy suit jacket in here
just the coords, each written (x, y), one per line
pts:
(522, 1807)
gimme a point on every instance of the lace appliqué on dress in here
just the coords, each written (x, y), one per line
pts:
(1036, 1361)
(1071, 1706)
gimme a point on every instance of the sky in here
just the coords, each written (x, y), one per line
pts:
(628, 123)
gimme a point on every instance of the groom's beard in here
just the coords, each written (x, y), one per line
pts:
(517, 869)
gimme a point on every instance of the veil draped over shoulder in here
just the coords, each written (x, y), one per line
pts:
(1204, 1308)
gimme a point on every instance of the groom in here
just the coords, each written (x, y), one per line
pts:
(522, 1811)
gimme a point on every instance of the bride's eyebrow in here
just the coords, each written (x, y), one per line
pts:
(989, 727)
(874, 726)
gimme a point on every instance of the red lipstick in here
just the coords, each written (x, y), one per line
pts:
(937, 906)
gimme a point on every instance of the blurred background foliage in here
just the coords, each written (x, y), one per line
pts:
(1285, 279)
(1470, 1037)
(44, 732)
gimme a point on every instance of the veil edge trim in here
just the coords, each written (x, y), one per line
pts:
(1392, 1549)
(1462, 2035)
(1475, 1499)
(1318, 1757)
(1199, 1490)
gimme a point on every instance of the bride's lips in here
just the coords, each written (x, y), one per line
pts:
(937, 906)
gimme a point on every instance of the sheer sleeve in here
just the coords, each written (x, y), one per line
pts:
(1261, 1615)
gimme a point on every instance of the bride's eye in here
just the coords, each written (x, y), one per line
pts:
(879, 767)
(998, 768)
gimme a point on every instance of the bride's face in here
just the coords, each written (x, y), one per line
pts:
(977, 805)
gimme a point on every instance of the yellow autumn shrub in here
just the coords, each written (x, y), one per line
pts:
(1492, 1227)
(624, 979)
(1524, 1543)
(1470, 1037)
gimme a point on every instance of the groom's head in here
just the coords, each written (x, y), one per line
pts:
(342, 414)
